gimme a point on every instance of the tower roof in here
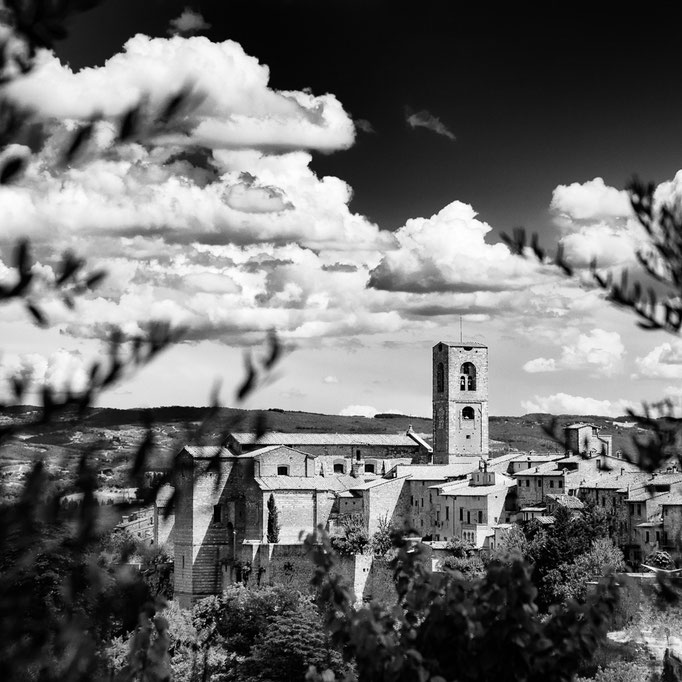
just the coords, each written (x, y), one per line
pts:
(462, 344)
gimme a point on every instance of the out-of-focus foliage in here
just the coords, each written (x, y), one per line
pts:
(446, 628)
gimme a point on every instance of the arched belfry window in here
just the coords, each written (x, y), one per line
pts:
(440, 378)
(467, 377)
(468, 412)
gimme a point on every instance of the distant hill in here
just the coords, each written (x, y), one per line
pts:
(109, 436)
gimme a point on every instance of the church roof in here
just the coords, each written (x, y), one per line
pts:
(275, 448)
(303, 439)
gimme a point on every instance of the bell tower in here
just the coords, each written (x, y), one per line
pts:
(460, 400)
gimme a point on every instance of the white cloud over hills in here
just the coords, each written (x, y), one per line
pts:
(662, 362)
(563, 403)
(600, 351)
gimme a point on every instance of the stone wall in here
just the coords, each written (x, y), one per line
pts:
(389, 500)
(298, 463)
(369, 577)
(296, 513)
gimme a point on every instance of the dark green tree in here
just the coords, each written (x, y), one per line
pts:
(273, 520)
(352, 537)
(288, 645)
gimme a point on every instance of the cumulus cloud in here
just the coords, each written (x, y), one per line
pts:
(448, 253)
(62, 371)
(662, 362)
(238, 110)
(591, 200)
(540, 365)
(563, 403)
(598, 350)
(425, 119)
(233, 236)
(189, 22)
(358, 411)
(598, 223)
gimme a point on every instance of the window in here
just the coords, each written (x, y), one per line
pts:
(217, 513)
(183, 561)
(339, 468)
(551, 483)
(282, 470)
(468, 412)
(639, 510)
(430, 498)
(461, 514)
(467, 377)
(468, 517)
(447, 513)
(369, 468)
(646, 537)
(468, 436)
(422, 502)
(358, 455)
(480, 516)
(440, 377)
(528, 483)
(412, 500)
(421, 521)
(539, 482)
(561, 484)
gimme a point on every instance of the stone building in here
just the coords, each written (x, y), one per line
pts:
(460, 400)
(222, 509)
(672, 522)
(453, 490)
(584, 439)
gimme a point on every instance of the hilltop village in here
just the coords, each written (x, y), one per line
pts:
(451, 489)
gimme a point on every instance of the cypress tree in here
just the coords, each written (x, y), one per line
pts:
(273, 520)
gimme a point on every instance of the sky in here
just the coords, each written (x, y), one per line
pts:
(345, 178)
